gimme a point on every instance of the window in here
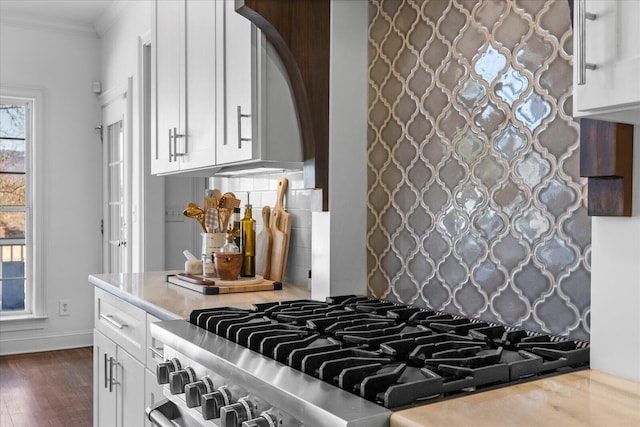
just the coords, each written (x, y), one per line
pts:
(18, 290)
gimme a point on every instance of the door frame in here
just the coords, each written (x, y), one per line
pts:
(118, 94)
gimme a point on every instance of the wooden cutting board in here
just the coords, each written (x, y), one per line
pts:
(264, 241)
(216, 286)
(277, 251)
(281, 231)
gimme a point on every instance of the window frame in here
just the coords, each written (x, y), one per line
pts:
(35, 296)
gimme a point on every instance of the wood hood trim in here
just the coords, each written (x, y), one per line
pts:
(300, 33)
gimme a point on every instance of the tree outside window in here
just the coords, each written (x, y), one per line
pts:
(14, 207)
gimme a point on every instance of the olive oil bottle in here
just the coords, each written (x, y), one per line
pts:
(236, 227)
(248, 243)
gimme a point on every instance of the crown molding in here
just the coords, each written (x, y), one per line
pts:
(110, 16)
(48, 24)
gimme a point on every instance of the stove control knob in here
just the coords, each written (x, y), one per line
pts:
(195, 390)
(179, 379)
(165, 368)
(264, 420)
(234, 415)
(211, 404)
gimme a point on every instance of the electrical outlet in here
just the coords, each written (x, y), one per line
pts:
(63, 307)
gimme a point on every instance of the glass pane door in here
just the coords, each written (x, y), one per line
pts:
(117, 229)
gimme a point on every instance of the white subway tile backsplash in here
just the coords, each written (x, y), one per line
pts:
(260, 190)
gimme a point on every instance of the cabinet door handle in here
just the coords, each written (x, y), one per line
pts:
(106, 370)
(109, 318)
(156, 353)
(170, 138)
(177, 135)
(583, 65)
(111, 382)
(240, 117)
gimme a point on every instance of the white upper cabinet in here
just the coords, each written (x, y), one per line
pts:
(185, 64)
(240, 68)
(203, 83)
(168, 63)
(606, 47)
(222, 97)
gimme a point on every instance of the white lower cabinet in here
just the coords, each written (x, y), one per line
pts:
(104, 397)
(124, 363)
(119, 389)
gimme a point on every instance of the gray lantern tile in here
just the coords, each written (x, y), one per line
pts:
(452, 271)
(475, 203)
(489, 65)
(532, 111)
(557, 196)
(489, 171)
(576, 287)
(511, 30)
(509, 306)
(489, 277)
(511, 85)
(556, 314)
(533, 53)
(510, 142)
(469, 197)
(419, 221)
(532, 224)
(488, 13)
(472, 301)
(532, 282)
(470, 249)
(532, 168)
(556, 255)
(510, 251)
(436, 294)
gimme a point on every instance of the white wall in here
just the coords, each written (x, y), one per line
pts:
(615, 287)
(63, 65)
(124, 31)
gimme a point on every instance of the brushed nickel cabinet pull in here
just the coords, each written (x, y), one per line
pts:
(583, 65)
(109, 318)
(240, 117)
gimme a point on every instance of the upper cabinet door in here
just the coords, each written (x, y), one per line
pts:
(240, 82)
(611, 90)
(204, 81)
(168, 63)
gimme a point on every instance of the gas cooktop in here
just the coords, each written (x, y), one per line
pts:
(392, 354)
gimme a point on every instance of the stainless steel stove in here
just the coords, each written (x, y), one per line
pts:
(349, 361)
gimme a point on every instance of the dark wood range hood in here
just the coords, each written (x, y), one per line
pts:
(300, 33)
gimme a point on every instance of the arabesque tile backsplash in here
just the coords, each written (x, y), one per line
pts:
(475, 201)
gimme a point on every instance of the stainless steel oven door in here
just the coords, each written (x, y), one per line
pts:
(166, 413)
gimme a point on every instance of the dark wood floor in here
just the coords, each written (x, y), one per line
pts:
(47, 389)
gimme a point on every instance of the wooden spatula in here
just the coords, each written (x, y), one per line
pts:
(264, 240)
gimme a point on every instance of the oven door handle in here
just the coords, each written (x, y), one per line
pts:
(161, 413)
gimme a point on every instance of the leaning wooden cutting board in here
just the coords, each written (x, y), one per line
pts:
(264, 240)
(281, 231)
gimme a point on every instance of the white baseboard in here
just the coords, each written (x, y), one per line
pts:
(35, 344)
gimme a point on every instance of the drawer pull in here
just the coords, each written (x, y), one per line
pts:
(156, 353)
(109, 318)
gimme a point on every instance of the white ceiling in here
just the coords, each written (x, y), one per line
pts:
(78, 12)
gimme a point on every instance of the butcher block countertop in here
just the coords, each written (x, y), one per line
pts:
(584, 398)
(150, 292)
